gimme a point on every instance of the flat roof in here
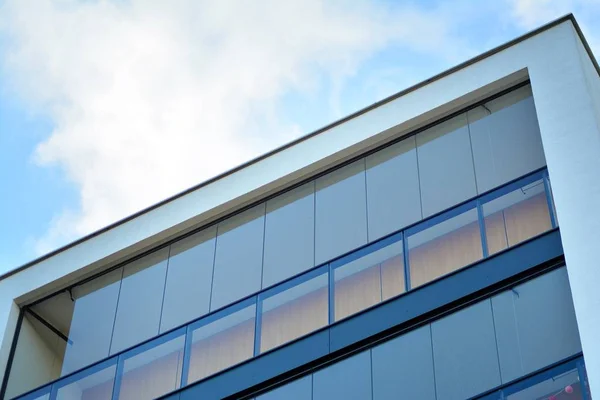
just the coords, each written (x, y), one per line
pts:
(489, 53)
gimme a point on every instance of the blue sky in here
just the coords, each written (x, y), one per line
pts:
(107, 107)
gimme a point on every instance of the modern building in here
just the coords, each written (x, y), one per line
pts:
(440, 244)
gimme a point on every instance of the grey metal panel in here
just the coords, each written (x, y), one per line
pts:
(341, 213)
(289, 234)
(535, 324)
(238, 258)
(446, 170)
(93, 320)
(464, 352)
(189, 279)
(393, 197)
(140, 300)
(506, 143)
(403, 367)
(348, 379)
(300, 389)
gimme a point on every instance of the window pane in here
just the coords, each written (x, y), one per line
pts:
(506, 139)
(296, 311)
(444, 247)
(94, 384)
(563, 386)
(289, 234)
(154, 372)
(366, 281)
(238, 262)
(189, 279)
(91, 327)
(341, 213)
(140, 300)
(41, 394)
(220, 343)
(393, 197)
(516, 216)
(446, 170)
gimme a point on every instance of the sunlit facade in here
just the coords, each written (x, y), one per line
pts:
(428, 247)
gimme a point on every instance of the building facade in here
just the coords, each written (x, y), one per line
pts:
(437, 245)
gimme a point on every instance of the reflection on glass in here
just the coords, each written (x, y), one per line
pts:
(366, 281)
(220, 343)
(444, 247)
(96, 384)
(516, 216)
(564, 386)
(40, 394)
(295, 312)
(154, 372)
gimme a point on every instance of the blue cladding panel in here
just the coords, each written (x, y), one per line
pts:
(348, 379)
(535, 324)
(300, 389)
(403, 367)
(464, 352)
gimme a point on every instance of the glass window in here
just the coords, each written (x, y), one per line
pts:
(404, 365)
(506, 139)
(347, 379)
(95, 383)
(289, 234)
(393, 197)
(189, 279)
(37, 359)
(238, 261)
(154, 369)
(562, 386)
(464, 352)
(222, 340)
(516, 216)
(300, 389)
(544, 305)
(341, 213)
(446, 172)
(453, 242)
(363, 280)
(91, 326)
(294, 309)
(140, 300)
(41, 394)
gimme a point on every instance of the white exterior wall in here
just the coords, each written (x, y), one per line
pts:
(562, 85)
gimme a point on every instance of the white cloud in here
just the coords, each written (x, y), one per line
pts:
(151, 97)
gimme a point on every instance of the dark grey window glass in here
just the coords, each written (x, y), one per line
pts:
(348, 379)
(445, 165)
(189, 279)
(404, 366)
(95, 304)
(238, 261)
(289, 234)
(464, 353)
(535, 324)
(300, 389)
(506, 139)
(96, 384)
(140, 300)
(341, 212)
(155, 371)
(393, 198)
